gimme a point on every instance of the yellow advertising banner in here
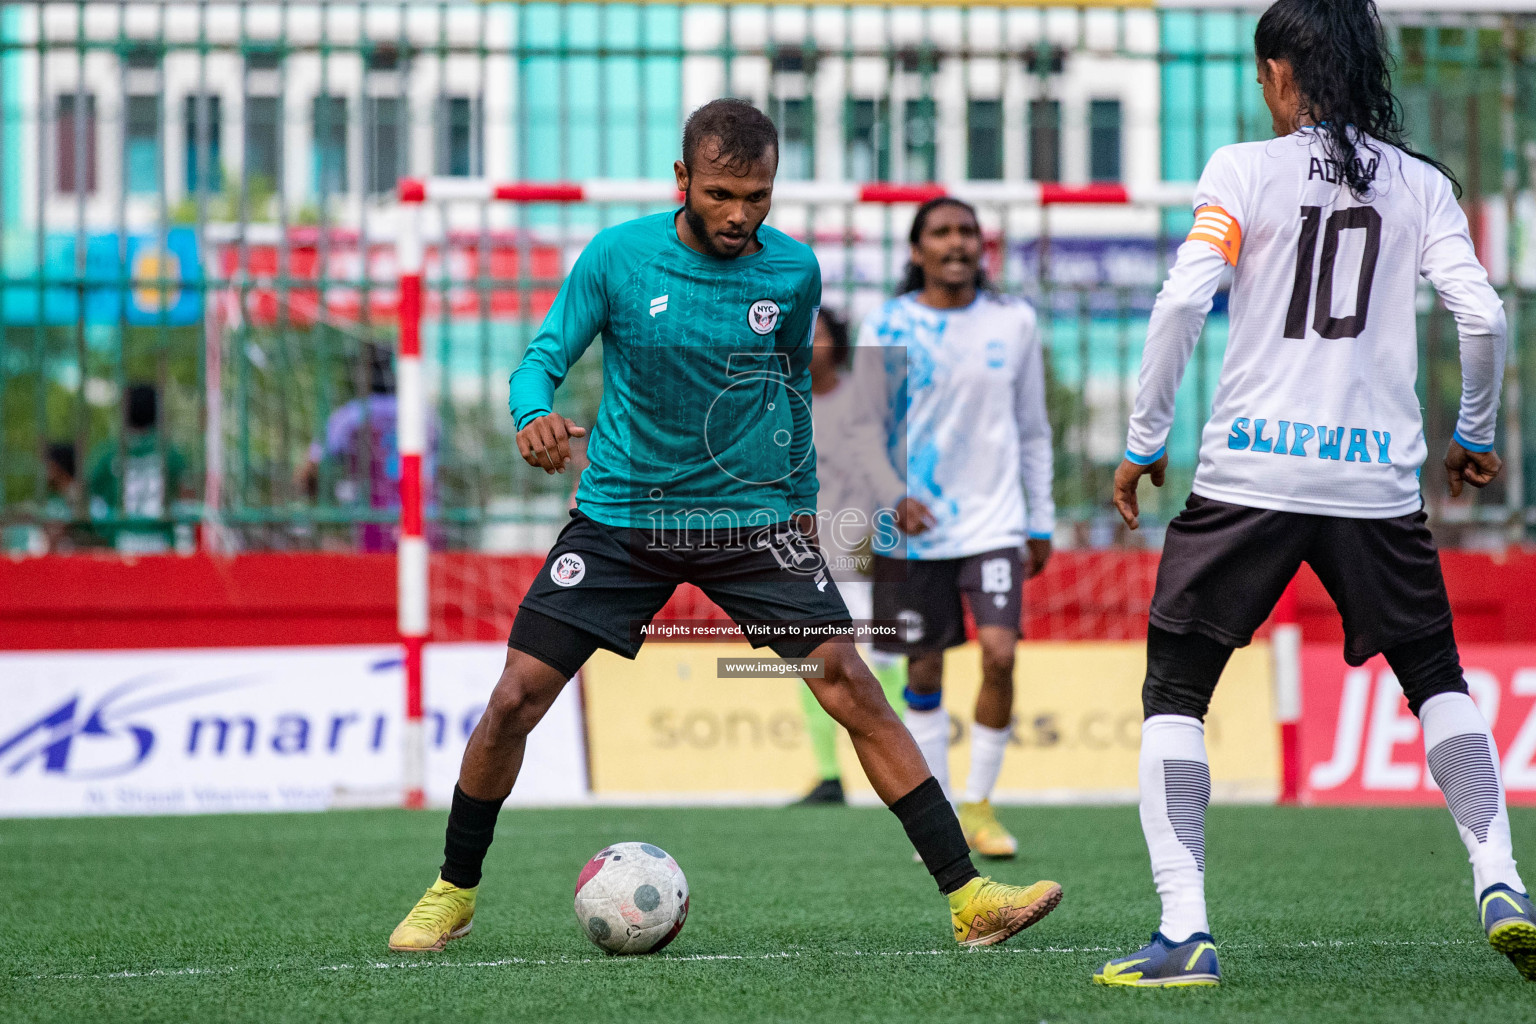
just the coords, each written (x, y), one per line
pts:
(667, 725)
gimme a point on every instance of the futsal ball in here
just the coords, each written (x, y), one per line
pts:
(631, 898)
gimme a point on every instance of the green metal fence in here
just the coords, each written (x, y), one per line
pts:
(196, 200)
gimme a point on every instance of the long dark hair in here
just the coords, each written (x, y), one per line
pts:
(1343, 69)
(912, 280)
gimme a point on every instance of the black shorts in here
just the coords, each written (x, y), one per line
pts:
(923, 597)
(1224, 566)
(605, 584)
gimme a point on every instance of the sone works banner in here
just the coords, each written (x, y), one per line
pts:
(291, 728)
(666, 726)
(1360, 744)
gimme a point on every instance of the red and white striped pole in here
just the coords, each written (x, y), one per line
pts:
(411, 431)
(1285, 648)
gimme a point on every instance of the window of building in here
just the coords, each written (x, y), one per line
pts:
(143, 58)
(868, 141)
(797, 139)
(1045, 140)
(263, 141)
(920, 140)
(141, 146)
(328, 155)
(264, 60)
(382, 58)
(385, 126)
(1104, 140)
(458, 138)
(204, 168)
(67, 132)
(984, 139)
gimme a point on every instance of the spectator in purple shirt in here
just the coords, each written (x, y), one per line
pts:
(361, 437)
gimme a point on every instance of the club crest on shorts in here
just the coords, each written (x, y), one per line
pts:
(910, 624)
(763, 316)
(568, 570)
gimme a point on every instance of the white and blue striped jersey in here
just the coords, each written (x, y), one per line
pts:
(965, 423)
(1316, 410)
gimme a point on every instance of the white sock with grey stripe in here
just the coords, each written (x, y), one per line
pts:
(1465, 763)
(1175, 790)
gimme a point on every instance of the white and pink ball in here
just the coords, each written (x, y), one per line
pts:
(631, 898)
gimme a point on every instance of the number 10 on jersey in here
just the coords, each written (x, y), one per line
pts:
(1323, 320)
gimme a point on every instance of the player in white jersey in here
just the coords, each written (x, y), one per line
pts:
(956, 375)
(1313, 449)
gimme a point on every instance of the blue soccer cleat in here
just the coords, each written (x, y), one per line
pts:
(1511, 926)
(1161, 964)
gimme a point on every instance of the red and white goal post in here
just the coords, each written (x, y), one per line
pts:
(413, 564)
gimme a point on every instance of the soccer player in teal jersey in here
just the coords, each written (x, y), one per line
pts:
(701, 470)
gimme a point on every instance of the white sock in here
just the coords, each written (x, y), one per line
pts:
(1465, 763)
(1175, 790)
(931, 731)
(987, 747)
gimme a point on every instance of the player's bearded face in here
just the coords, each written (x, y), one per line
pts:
(949, 249)
(724, 205)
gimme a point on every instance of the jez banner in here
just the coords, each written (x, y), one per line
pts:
(1360, 744)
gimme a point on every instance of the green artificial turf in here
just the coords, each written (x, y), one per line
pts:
(801, 914)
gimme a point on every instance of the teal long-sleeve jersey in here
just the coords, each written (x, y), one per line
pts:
(705, 418)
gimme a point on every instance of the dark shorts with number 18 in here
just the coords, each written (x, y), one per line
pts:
(922, 596)
(601, 586)
(1224, 566)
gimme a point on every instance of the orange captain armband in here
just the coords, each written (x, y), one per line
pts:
(1220, 230)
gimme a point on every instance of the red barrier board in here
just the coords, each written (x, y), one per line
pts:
(105, 600)
(1360, 744)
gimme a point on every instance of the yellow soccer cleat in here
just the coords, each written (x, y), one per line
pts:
(985, 912)
(985, 833)
(445, 912)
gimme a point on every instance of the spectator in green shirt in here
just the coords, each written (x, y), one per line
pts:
(142, 482)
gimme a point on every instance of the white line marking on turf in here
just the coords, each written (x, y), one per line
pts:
(517, 961)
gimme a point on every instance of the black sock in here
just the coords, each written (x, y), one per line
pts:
(471, 827)
(935, 832)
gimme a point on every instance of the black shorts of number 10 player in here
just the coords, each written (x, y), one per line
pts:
(1224, 566)
(601, 586)
(922, 596)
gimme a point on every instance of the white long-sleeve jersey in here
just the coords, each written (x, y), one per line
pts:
(961, 397)
(1315, 410)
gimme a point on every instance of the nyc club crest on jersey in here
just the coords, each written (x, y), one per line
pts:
(763, 316)
(568, 570)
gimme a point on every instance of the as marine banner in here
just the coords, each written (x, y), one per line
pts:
(251, 729)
